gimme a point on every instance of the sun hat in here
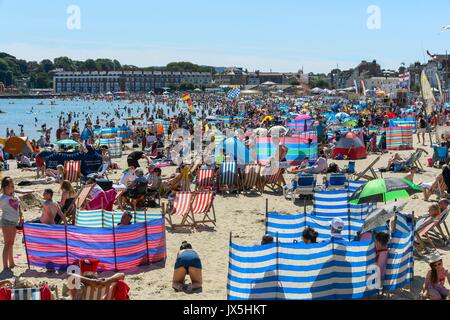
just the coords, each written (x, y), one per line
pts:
(433, 257)
(337, 224)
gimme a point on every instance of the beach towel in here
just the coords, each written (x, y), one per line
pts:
(104, 200)
(122, 290)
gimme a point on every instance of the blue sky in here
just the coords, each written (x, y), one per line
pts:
(281, 35)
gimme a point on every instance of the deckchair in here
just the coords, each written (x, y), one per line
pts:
(304, 185)
(72, 171)
(202, 205)
(424, 233)
(250, 179)
(82, 197)
(205, 179)
(274, 180)
(228, 180)
(181, 208)
(104, 292)
(440, 154)
(336, 181)
(419, 154)
(31, 294)
(437, 231)
(364, 175)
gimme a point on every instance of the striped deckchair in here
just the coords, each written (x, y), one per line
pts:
(251, 177)
(181, 208)
(202, 205)
(228, 180)
(72, 171)
(205, 179)
(103, 292)
(26, 294)
(273, 179)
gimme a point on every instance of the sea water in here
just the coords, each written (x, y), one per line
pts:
(25, 112)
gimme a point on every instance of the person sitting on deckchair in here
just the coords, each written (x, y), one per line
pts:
(320, 166)
(395, 159)
(188, 263)
(57, 175)
(434, 286)
(439, 186)
(89, 278)
(337, 226)
(412, 173)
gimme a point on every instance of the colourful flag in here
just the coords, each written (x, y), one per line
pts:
(427, 92)
(187, 98)
(234, 93)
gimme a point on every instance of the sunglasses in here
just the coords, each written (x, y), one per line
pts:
(438, 264)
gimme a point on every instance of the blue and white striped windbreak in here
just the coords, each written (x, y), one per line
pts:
(289, 228)
(324, 271)
(335, 204)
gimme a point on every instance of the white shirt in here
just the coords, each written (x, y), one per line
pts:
(127, 177)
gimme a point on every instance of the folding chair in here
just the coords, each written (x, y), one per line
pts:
(336, 181)
(419, 155)
(228, 177)
(364, 175)
(181, 208)
(250, 179)
(440, 154)
(275, 180)
(304, 184)
(82, 197)
(72, 172)
(424, 232)
(202, 205)
(205, 179)
(105, 292)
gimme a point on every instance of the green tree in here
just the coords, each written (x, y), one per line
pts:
(89, 65)
(47, 65)
(64, 63)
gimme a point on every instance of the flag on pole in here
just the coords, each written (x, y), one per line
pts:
(234, 93)
(405, 80)
(427, 92)
(440, 87)
(187, 98)
(356, 86)
(363, 85)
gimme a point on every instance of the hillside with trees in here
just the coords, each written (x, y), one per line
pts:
(38, 75)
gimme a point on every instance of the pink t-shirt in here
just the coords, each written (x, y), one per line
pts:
(382, 259)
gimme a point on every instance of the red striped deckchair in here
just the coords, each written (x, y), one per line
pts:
(181, 208)
(202, 205)
(425, 233)
(100, 292)
(205, 179)
(274, 181)
(251, 177)
(72, 171)
(82, 197)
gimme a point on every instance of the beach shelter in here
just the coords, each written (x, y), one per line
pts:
(399, 138)
(109, 133)
(236, 149)
(300, 147)
(17, 145)
(125, 133)
(350, 146)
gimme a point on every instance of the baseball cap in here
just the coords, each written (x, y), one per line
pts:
(337, 224)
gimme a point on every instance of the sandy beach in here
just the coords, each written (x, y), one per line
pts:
(242, 215)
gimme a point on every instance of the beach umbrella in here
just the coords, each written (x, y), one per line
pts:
(350, 123)
(391, 115)
(267, 118)
(303, 117)
(385, 190)
(282, 131)
(379, 217)
(67, 142)
(341, 115)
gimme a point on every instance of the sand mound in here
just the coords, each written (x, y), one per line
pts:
(30, 201)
